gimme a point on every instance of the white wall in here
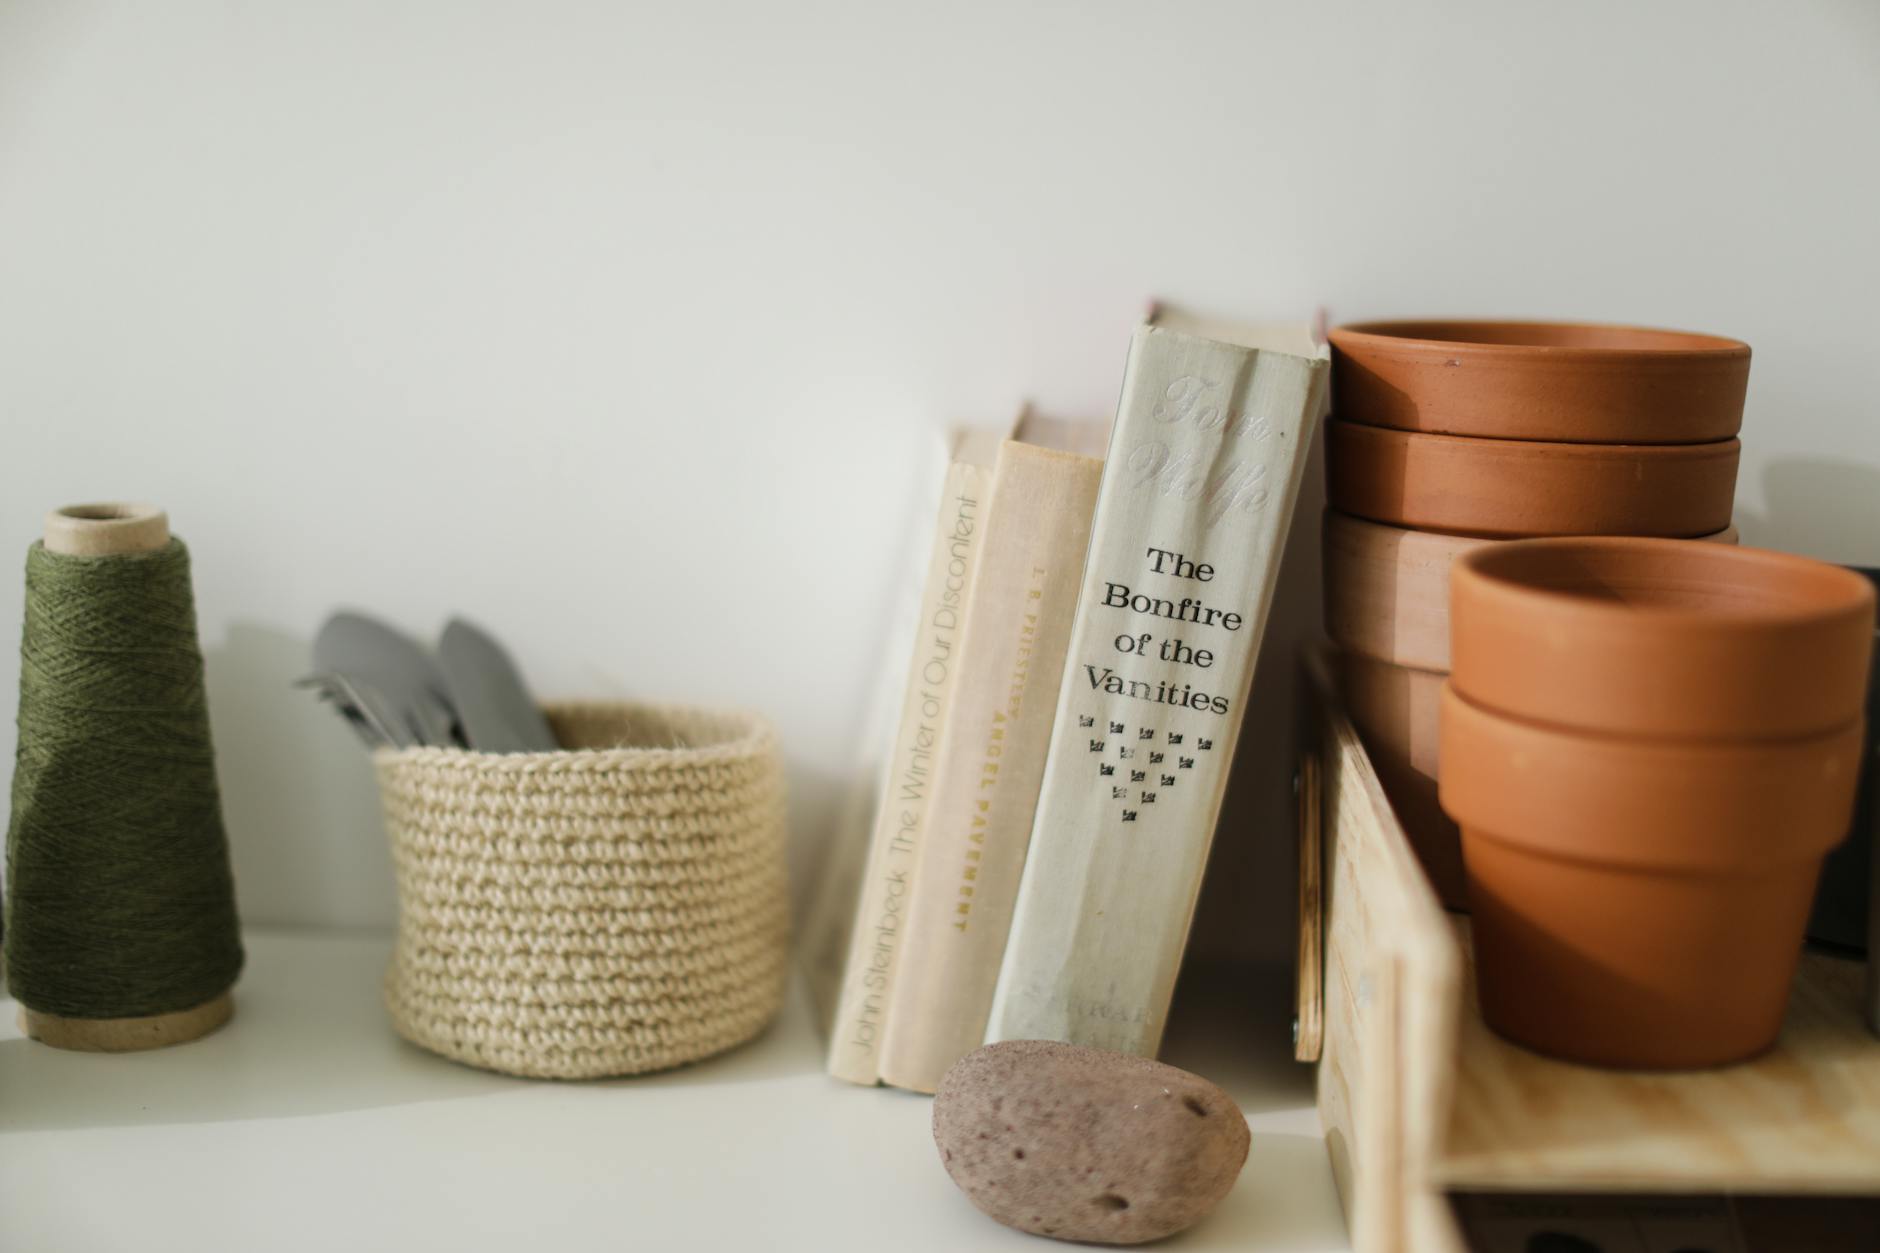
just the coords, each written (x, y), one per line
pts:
(622, 329)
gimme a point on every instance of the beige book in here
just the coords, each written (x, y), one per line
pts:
(829, 914)
(1205, 457)
(874, 949)
(991, 761)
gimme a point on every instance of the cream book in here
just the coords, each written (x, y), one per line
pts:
(990, 763)
(868, 976)
(1205, 456)
(829, 914)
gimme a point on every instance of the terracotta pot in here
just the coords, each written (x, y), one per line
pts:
(1503, 488)
(1387, 589)
(1660, 638)
(1558, 381)
(1639, 903)
(1398, 714)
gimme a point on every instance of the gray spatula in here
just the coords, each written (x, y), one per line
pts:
(365, 711)
(498, 715)
(383, 662)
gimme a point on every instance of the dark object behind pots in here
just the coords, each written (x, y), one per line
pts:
(1841, 915)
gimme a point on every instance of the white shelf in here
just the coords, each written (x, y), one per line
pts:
(306, 1124)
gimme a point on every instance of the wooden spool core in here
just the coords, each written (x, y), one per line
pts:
(116, 530)
(109, 530)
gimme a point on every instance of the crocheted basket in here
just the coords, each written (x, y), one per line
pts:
(614, 908)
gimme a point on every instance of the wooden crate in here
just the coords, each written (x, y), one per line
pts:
(1420, 1100)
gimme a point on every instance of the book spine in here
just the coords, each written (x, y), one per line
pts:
(868, 978)
(1203, 469)
(991, 761)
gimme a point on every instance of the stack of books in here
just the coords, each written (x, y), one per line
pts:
(1071, 677)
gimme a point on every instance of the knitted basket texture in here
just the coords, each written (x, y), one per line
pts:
(617, 907)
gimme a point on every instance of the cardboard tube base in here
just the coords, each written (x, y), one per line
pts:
(127, 1035)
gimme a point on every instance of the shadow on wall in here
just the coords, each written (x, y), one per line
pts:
(816, 799)
(298, 791)
(1818, 508)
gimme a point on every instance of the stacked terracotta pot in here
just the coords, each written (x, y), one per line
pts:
(1650, 746)
(1450, 436)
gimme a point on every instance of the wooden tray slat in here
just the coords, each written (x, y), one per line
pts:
(1392, 980)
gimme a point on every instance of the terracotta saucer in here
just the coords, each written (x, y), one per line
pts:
(1505, 489)
(1558, 381)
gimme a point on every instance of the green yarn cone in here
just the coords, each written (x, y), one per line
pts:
(120, 900)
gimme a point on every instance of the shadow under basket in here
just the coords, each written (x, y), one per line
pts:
(617, 907)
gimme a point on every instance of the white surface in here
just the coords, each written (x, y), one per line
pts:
(620, 327)
(307, 1125)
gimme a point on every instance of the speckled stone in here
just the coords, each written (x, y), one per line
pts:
(1085, 1144)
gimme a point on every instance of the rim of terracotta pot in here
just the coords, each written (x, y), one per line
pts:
(1516, 336)
(1704, 808)
(1657, 637)
(1512, 489)
(1386, 588)
(1580, 382)
(1543, 448)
